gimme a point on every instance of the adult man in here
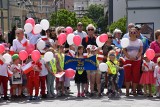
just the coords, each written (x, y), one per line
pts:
(20, 43)
(80, 31)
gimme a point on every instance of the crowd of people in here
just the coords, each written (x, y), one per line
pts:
(128, 66)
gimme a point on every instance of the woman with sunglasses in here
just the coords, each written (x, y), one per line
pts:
(91, 38)
(133, 55)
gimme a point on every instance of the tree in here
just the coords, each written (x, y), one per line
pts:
(96, 13)
(63, 18)
(120, 24)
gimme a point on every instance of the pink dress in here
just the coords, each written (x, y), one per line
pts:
(147, 76)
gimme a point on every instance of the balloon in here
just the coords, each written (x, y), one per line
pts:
(103, 38)
(23, 55)
(7, 58)
(69, 73)
(41, 45)
(48, 56)
(45, 24)
(103, 67)
(70, 38)
(124, 42)
(99, 44)
(37, 29)
(35, 55)
(30, 48)
(62, 38)
(77, 40)
(2, 48)
(150, 53)
(69, 30)
(31, 21)
(28, 27)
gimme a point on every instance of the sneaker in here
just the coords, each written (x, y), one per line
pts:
(82, 94)
(44, 96)
(79, 95)
(5, 98)
(109, 95)
(92, 94)
(117, 95)
(99, 95)
(140, 92)
(36, 98)
(30, 98)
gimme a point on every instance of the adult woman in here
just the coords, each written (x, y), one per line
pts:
(91, 38)
(53, 33)
(155, 45)
(133, 56)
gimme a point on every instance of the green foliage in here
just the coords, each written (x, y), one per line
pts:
(96, 13)
(63, 18)
(120, 24)
(86, 21)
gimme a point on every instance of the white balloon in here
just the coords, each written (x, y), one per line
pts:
(37, 29)
(28, 27)
(124, 42)
(45, 24)
(70, 38)
(99, 44)
(48, 56)
(41, 45)
(103, 67)
(7, 58)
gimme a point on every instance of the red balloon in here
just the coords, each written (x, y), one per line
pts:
(23, 55)
(77, 40)
(69, 73)
(103, 38)
(69, 30)
(35, 55)
(30, 48)
(62, 38)
(150, 54)
(31, 21)
(2, 48)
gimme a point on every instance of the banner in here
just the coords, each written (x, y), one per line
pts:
(80, 63)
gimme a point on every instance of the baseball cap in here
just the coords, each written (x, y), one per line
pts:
(15, 56)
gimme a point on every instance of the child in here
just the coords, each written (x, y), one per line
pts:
(16, 78)
(52, 69)
(112, 74)
(157, 77)
(60, 68)
(4, 76)
(147, 78)
(81, 75)
(33, 80)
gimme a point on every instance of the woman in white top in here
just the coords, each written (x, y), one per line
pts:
(20, 43)
(133, 56)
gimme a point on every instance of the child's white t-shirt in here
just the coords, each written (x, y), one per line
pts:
(149, 66)
(17, 76)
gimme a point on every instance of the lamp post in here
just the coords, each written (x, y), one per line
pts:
(79, 7)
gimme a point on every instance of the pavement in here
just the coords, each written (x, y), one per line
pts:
(73, 101)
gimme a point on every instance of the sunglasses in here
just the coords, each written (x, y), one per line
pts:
(133, 32)
(112, 55)
(52, 30)
(63, 31)
(110, 37)
(79, 25)
(90, 29)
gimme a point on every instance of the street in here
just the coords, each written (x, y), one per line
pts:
(73, 101)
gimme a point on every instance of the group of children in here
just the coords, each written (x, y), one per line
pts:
(43, 74)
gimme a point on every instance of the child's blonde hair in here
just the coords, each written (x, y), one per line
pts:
(112, 52)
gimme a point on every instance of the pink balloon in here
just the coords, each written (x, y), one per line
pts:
(2, 48)
(30, 48)
(150, 54)
(35, 55)
(77, 40)
(31, 21)
(23, 55)
(69, 30)
(62, 38)
(103, 38)
(69, 73)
